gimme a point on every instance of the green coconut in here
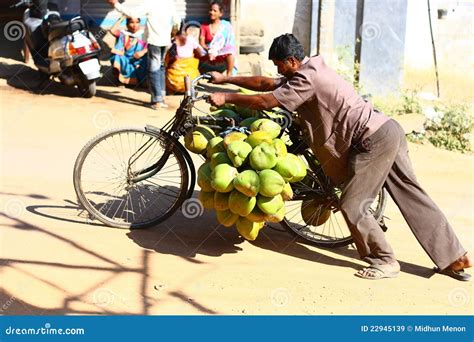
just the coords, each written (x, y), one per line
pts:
(223, 178)
(256, 215)
(241, 204)
(248, 229)
(197, 139)
(280, 147)
(271, 183)
(277, 217)
(263, 157)
(221, 200)
(248, 183)
(266, 125)
(206, 199)
(215, 145)
(220, 158)
(270, 205)
(204, 178)
(238, 152)
(258, 137)
(226, 217)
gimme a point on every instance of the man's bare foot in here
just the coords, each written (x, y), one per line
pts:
(463, 262)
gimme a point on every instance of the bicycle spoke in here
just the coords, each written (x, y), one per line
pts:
(105, 185)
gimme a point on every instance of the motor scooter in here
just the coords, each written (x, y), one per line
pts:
(63, 49)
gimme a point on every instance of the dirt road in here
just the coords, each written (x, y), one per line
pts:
(54, 262)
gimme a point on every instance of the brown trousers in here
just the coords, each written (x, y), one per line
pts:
(382, 160)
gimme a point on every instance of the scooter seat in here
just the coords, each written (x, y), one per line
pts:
(58, 30)
(63, 28)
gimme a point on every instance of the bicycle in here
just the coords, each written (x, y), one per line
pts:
(138, 177)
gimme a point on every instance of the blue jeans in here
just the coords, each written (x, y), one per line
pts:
(156, 72)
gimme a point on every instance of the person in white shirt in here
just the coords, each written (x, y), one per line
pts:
(160, 17)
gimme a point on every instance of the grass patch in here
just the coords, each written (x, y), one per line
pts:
(450, 129)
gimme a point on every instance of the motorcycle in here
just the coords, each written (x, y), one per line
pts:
(61, 49)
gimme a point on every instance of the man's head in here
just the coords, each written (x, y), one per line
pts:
(287, 54)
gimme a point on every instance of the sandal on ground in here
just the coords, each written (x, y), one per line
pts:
(375, 272)
(158, 105)
(458, 275)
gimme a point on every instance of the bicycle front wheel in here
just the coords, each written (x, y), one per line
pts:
(131, 178)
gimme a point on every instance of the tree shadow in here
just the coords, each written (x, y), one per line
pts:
(15, 305)
(24, 77)
(288, 244)
(183, 237)
(82, 217)
(35, 196)
(187, 237)
(115, 95)
(406, 267)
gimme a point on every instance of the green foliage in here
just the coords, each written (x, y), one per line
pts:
(417, 137)
(387, 105)
(409, 104)
(346, 67)
(452, 130)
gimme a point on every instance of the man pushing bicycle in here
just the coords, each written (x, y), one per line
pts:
(360, 149)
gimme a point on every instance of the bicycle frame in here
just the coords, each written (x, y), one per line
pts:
(183, 121)
(178, 126)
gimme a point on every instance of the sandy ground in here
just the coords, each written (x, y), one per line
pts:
(54, 262)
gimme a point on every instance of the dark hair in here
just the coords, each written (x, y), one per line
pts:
(286, 46)
(129, 19)
(182, 27)
(218, 3)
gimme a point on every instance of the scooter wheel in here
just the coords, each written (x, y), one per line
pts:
(87, 88)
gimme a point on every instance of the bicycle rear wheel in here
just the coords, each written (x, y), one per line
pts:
(314, 215)
(106, 183)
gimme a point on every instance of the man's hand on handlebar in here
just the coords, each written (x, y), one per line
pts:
(217, 99)
(217, 77)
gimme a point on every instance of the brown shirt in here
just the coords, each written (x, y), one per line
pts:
(333, 116)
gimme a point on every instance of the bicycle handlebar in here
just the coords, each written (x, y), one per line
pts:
(190, 85)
